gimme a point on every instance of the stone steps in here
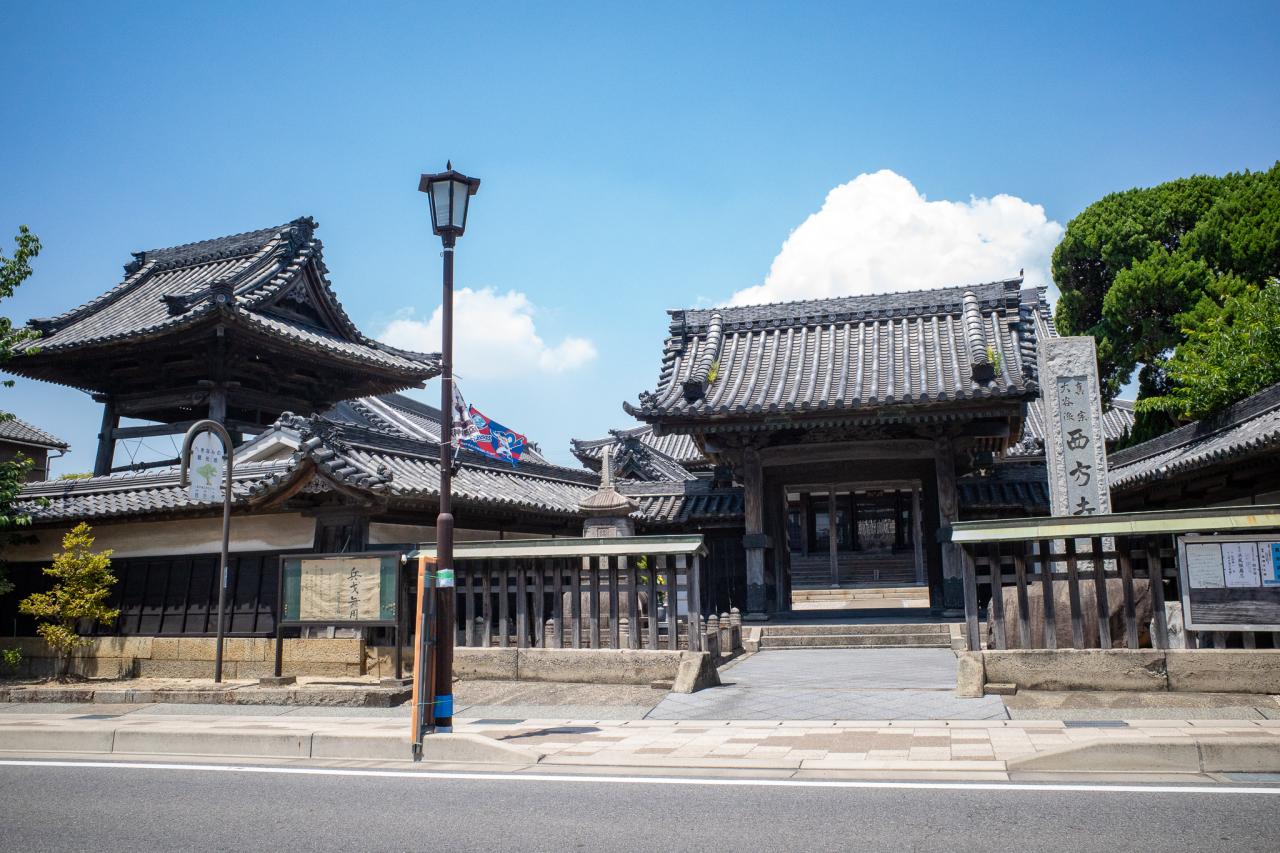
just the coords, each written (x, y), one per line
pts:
(860, 598)
(941, 629)
(860, 594)
(855, 641)
(935, 635)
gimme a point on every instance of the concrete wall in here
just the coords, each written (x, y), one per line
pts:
(283, 531)
(1179, 670)
(584, 666)
(192, 657)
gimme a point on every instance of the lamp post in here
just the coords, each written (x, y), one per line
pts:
(449, 193)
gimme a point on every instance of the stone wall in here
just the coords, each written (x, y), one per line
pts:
(192, 657)
(1178, 670)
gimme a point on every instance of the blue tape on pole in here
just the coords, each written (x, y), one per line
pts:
(444, 706)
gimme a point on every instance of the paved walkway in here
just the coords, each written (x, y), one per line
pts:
(974, 748)
(834, 684)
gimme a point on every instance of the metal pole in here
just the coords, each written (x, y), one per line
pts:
(443, 709)
(225, 564)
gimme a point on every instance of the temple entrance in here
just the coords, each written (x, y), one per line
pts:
(862, 537)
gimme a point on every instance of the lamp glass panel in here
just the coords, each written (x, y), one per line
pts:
(461, 195)
(440, 203)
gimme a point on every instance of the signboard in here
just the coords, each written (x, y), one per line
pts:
(1230, 583)
(340, 589)
(208, 464)
(1075, 444)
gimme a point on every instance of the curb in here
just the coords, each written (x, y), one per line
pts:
(1169, 754)
(373, 697)
(162, 740)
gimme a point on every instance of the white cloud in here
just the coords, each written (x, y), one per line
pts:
(493, 336)
(878, 234)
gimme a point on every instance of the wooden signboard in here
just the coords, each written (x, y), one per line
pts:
(1230, 583)
(340, 589)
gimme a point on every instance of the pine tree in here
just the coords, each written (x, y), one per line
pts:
(83, 582)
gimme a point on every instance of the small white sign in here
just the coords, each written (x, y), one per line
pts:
(1204, 566)
(207, 465)
(1240, 565)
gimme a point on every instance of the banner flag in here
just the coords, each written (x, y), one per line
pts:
(474, 431)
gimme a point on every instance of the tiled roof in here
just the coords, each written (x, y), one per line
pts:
(1117, 422)
(1021, 487)
(847, 355)
(20, 432)
(684, 503)
(127, 494)
(374, 461)
(675, 446)
(1245, 429)
(405, 417)
(249, 279)
(633, 457)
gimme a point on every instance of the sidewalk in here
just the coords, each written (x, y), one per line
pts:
(969, 749)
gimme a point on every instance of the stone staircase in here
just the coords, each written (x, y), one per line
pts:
(854, 567)
(859, 598)
(929, 635)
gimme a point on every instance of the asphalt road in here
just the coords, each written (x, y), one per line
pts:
(46, 808)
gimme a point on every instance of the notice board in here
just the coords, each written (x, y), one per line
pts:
(339, 589)
(1230, 583)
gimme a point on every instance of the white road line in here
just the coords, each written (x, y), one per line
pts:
(655, 780)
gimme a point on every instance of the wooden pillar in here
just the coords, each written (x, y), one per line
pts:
(776, 519)
(948, 513)
(106, 439)
(755, 541)
(218, 403)
(917, 534)
(806, 519)
(833, 548)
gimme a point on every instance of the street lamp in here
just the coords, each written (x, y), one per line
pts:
(449, 193)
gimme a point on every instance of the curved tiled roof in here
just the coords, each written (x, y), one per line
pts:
(847, 354)
(676, 446)
(387, 467)
(19, 431)
(684, 503)
(242, 279)
(1240, 431)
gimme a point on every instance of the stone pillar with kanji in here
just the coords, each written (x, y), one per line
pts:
(1075, 444)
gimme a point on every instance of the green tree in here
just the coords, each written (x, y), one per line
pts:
(82, 584)
(1232, 350)
(13, 473)
(1140, 270)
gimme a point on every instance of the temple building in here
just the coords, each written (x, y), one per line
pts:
(812, 444)
(248, 331)
(20, 439)
(1227, 459)
(855, 428)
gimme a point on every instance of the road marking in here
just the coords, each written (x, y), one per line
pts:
(653, 780)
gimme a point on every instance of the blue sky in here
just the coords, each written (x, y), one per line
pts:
(635, 157)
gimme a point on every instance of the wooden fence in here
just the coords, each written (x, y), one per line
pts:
(1083, 554)
(641, 592)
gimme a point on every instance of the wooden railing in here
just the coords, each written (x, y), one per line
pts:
(1083, 554)
(640, 592)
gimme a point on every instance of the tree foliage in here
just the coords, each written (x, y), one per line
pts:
(1231, 351)
(82, 585)
(13, 473)
(1147, 270)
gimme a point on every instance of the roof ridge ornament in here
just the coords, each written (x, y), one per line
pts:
(695, 387)
(982, 368)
